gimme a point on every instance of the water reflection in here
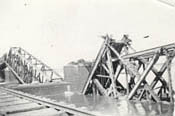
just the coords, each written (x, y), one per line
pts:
(114, 107)
(107, 106)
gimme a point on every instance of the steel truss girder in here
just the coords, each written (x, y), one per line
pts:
(29, 69)
(111, 64)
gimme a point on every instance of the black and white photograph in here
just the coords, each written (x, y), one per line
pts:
(87, 57)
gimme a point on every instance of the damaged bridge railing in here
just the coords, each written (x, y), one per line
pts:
(27, 68)
(121, 71)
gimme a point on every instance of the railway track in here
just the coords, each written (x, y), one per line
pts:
(17, 103)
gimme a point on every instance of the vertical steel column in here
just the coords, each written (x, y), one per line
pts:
(169, 79)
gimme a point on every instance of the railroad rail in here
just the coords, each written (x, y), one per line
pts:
(17, 103)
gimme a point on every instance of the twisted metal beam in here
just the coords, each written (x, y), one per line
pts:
(29, 69)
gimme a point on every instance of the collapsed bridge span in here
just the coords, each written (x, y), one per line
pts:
(117, 72)
(27, 68)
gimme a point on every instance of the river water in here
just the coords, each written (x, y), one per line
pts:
(103, 106)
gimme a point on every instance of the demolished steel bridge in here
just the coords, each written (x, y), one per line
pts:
(143, 80)
(27, 68)
(116, 72)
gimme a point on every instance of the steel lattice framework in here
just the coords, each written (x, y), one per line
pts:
(143, 80)
(27, 68)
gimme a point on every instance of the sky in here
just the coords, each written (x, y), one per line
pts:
(60, 31)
